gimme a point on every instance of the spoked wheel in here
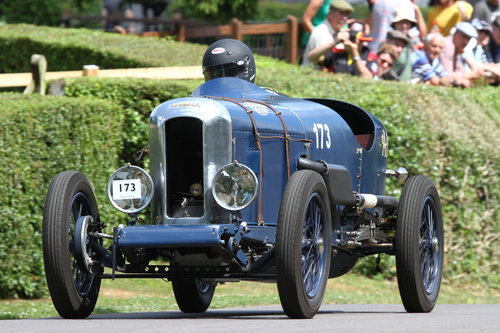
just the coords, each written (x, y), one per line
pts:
(303, 244)
(193, 295)
(69, 201)
(419, 245)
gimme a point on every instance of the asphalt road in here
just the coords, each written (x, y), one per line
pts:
(331, 318)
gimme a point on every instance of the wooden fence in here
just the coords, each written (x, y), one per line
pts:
(36, 80)
(185, 30)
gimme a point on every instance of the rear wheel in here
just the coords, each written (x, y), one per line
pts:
(193, 295)
(419, 245)
(303, 244)
(73, 291)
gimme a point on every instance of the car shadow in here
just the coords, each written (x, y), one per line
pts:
(263, 313)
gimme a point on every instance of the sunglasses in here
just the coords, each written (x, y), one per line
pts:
(383, 61)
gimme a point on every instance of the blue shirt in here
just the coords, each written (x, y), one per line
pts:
(425, 70)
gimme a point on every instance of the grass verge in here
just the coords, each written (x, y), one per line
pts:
(154, 295)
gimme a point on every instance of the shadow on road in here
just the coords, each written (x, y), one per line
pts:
(265, 313)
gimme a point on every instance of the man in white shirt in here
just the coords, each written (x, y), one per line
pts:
(327, 34)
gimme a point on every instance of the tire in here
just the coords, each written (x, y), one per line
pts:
(419, 245)
(193, 295)
(74, 293)
(303, 244)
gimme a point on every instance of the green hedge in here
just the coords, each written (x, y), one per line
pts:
(39, 137)
(431, 132)
(43, 135)
(71, 49)
(137, 98)
(451, 135)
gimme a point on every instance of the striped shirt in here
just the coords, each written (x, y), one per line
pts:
(425, 70)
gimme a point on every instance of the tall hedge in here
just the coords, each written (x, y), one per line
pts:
(39, 137)
(71, 49)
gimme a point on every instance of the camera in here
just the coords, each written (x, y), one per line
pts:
(356, 31)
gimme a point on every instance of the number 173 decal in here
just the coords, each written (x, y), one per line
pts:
(323, 139)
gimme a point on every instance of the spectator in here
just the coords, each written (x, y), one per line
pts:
(402, 45)
(493, 49)
(476, 59)
(382, 15)
(484, 32)
(370, 4)
(345, 59)
(386, 56)
(406, 19)
(327, 34)
(369, 65)
(453, 49)
(484, 9)
(427, 67)
(113, 10)
(447, 14)
(403, 22)
(157, 8)
(369, 17)
(315, 13)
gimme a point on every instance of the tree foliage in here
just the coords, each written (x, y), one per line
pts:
(43, 12)
(48, 12)
(220, 11)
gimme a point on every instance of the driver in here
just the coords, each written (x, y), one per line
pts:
(228, 58)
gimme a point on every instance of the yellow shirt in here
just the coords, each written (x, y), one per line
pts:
(447, 18)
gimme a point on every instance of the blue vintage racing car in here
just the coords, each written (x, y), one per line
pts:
(247, 184)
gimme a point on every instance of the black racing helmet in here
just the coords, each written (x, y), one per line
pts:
(229, 58)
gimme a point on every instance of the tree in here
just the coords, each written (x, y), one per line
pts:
(42, 12)
(221, 11)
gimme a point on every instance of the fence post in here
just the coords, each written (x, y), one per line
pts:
(90, 70)
(292, 39)
(236, 26)
(179, 28)
(38, 70)
(66, 18)
(181, 32)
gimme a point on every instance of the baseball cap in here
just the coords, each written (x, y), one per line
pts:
(467, 29)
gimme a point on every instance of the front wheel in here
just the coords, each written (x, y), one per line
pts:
(193, 295)
(73, 290)
(303, 244)
(419, 245)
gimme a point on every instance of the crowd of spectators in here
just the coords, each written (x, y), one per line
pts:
(458, 43)
(115, 10)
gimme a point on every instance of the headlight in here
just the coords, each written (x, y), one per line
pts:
(234, 186)
(130, 189)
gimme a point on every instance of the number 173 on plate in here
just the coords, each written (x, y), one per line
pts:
(127, 189)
